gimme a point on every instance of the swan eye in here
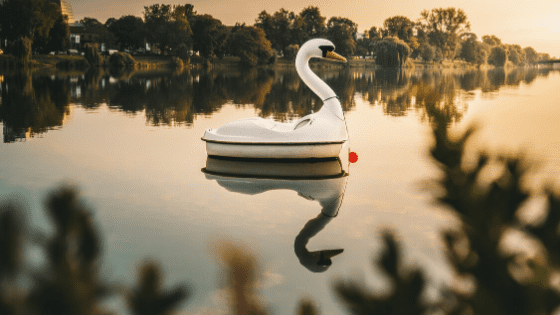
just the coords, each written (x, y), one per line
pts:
(326, 49)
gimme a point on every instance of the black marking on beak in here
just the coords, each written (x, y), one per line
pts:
(326, 49)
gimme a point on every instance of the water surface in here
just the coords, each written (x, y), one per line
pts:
(131, 142)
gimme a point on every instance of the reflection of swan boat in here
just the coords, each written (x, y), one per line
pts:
(318, 135)
(320, 180)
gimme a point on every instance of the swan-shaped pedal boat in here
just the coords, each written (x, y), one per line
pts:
(318, 135)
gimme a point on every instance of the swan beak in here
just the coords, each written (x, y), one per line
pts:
(331, 55)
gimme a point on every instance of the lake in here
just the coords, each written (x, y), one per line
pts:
(132, 144)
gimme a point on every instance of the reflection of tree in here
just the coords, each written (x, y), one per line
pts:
(388, 87)
(495, 78)
(32, 105)
(177, 98)
(399, 91)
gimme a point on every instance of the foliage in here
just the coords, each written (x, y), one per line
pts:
(491, 40)
(33, 19)
(278, 28)
(129, 31)
(308, 24)
(506, 281)
(69, 282)
(168, 26)
(58, 35)
(291, 52)
(516, 55)
(444, 28)
(406, 296)
(543, 56)
(250, 43)
(391, 52)
(147, 298)
(403, 28)
(121, 60)
(22, 51)
(209, 35)
(531, 55)
(374, 33)
(427, 52)
(472, 50)
(343, 33)
(92, 54)
(498, 56)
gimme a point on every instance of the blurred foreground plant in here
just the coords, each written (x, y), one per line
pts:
(491, 279)
(68, 280)
(506, 281)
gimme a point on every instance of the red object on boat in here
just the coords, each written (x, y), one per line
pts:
(353, 157)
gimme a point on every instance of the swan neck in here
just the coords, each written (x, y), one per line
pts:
(317, 85)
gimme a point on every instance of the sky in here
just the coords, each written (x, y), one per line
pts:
(521, 22)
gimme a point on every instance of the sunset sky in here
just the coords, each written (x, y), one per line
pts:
(522, 22)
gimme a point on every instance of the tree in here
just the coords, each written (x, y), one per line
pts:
(444, 28)
(283, 23)
(291, 51)
(266, 23)
(403, 28)
(250, 43)
(157, 18)
(498, 56)
(308, 24)
(91, 22)
(391, 52)
(168, 26)
(129, 31)
(363, 47)
(516, 55)
(491, 40)
(209, 35)
(530, 55)
(427, 52)
(543, 57)
(374, 33)
(343, 32)
(472, 50)
(58, 35)
(32, 19)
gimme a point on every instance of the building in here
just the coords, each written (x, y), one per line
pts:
(66, 9)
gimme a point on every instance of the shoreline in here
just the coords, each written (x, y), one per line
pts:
(51, 64)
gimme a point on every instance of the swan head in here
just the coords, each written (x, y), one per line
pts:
(319, 48)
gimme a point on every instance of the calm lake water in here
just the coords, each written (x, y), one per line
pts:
(131, 143)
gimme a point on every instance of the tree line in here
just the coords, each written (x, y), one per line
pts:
(178, 30)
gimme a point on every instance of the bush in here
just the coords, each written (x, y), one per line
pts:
(121, 60)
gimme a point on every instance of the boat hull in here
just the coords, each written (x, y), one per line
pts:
(275, 151)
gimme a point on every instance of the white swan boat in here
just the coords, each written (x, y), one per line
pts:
(318, 135)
